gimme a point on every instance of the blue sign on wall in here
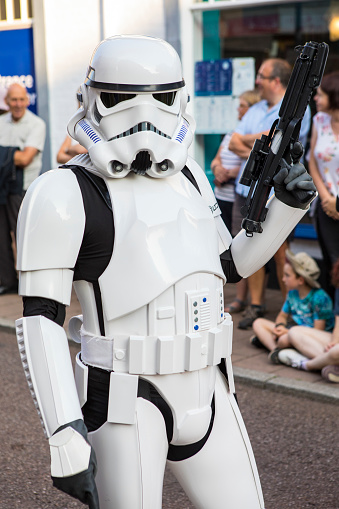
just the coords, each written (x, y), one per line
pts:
(213, 77)
(17, 61)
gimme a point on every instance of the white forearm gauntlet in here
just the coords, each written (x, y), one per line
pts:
(251, 253)
(48, 368)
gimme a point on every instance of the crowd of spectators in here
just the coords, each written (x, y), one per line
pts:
(225, 167)
(272, 80)
(305, 334)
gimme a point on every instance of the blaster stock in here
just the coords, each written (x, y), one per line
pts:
(266, 156)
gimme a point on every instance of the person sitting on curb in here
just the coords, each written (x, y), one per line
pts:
(319, 350)
(306, 305)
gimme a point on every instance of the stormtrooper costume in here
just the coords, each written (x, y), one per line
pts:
(135, 226)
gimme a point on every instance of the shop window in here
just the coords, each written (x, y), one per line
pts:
(15, 12)
(275, 30)
(16, 9)
(3, 11)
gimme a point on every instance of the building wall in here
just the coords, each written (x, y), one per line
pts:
(65, 35)
(258, 29)
(147, 17)
(191, 37)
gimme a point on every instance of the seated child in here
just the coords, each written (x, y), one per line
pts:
(314, 349)
(306, 305)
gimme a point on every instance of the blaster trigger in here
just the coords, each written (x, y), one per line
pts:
(297, 152)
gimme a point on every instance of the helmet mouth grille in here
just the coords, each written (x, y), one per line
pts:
(141, 163)
(142, 126)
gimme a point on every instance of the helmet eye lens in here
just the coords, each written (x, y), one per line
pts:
(165, 97)
(110, 99)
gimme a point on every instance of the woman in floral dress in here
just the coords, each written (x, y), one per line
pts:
(324, 168)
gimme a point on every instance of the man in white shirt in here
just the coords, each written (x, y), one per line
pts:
(22, 129)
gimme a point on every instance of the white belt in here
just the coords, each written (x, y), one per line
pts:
(162, 355)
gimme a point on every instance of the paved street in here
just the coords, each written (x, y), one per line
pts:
(295, 441)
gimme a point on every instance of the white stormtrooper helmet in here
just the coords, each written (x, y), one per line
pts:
(133, 112)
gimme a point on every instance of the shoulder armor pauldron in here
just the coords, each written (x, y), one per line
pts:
(51, 222)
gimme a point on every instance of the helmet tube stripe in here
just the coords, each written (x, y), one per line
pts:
(135, 88)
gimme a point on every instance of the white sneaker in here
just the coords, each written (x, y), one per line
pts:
(291, 357)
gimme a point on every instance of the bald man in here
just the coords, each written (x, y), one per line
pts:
(19, 128)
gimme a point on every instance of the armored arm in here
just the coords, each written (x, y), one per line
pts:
(45, 356)
(50, 229)
(270, 153)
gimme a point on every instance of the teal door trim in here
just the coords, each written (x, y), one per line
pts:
(211, 51)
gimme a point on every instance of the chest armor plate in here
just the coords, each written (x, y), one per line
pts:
(164, 231)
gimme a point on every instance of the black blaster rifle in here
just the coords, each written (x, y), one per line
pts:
(265, 159)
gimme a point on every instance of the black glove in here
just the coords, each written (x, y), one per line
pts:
(294, 186)
(82, 485)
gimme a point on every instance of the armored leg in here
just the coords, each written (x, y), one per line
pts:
(223, 474)
(131, 460)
